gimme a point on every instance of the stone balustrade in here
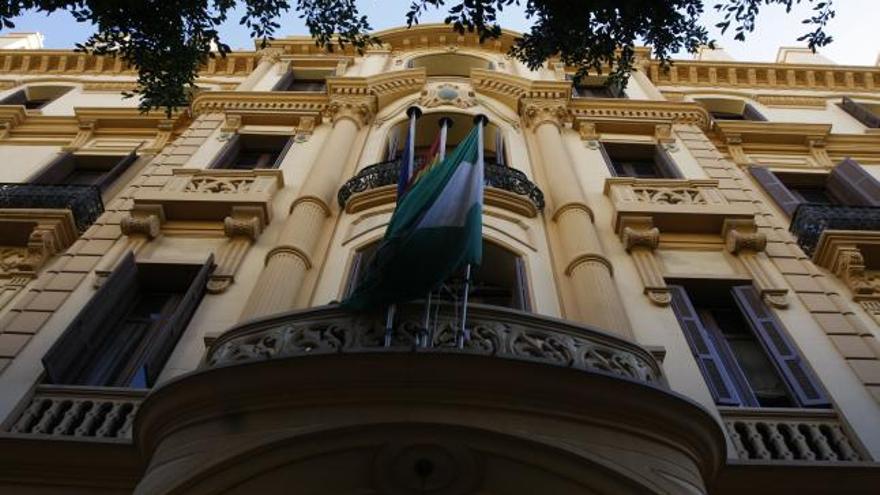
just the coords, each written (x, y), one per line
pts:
(674, 205)
(494, 332)
(790, 435)
(79, 412)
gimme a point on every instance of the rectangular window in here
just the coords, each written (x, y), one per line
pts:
(85, 169)
(302, 80)
(743, 351)
(848, 184)
(124, 335)
(646, 161)
(253, 151)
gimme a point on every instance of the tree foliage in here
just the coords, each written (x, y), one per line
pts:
(168, 40)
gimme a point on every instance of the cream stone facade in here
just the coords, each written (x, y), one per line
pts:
(680, 293)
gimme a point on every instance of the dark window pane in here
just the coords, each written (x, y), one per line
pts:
(808, 194)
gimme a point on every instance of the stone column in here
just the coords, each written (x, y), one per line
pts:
(268, 58)
(287, 263)
(589, 271)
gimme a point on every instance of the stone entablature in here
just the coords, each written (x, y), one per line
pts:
(763, 75)
(852, 256)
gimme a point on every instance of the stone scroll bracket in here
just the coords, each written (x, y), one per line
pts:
(742, 239)
(140, 226)
(640, 238)
(242, 228)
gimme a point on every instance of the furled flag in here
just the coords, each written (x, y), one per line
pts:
(434, 231)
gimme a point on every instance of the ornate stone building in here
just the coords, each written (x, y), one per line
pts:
(679, 293)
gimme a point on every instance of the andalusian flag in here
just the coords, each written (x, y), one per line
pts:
(435, 230)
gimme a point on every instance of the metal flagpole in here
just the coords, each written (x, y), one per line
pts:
(414, 114)
(445, 125)
(389, 324)
(464, 335)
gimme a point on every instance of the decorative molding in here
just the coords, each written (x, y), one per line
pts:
(451, 94)
(148, 226)
(841, 252)
(640, 239)
(741, 238)
(358, 109)
(619, 114)
(536, 112)
(788, 101)
(242, 228)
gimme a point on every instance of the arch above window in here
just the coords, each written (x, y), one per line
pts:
(450, 64)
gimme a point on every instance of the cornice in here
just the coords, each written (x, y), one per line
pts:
(715, 74)
(386, 87)
(636, 111)
(741, 132)
(260, 101)
(510, 89)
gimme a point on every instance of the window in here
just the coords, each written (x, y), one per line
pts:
(450, 64)
(124, 335)
(639, 160)
(848, 184)
(730, 109)
(742, 350)
(499, 281)
(302, 80)
(253, 151)
(866, 113)
(35, 97)
(85, 169)
(594, 87)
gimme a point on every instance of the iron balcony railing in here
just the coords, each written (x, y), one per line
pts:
(386, 173)
(810, 220)
(83, 201)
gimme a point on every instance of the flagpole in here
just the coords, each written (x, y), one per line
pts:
(389, 324)
(445, 125)
(464, 335)
(414, 113)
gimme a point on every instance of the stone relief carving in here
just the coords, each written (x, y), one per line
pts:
(448, 94)
(669, 195)
(219, 185)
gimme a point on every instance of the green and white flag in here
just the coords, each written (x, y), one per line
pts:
(435, 230)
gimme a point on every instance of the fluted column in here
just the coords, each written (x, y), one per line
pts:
(587, 268)
(288, 262)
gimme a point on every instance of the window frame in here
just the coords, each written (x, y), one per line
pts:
(233, 148)
(664, 164)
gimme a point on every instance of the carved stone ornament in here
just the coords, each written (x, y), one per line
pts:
(537, 112)
(647, 238)
(737, 241)
(269, 54)
(358, 109)
(447, 94)
(147, 226)
(249, 227)
(589, 135)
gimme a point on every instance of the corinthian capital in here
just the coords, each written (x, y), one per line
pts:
(537, 112)
(359, 109)
(270, 54)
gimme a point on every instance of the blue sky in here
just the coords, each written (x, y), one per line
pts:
(854, 29)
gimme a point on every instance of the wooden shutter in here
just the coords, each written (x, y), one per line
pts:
(354, 273)
(773, 337)
(57, 170)
(283, 153)
(79, 343)
(522, 286)
(228, 154)
(284, 83)
(776, 189)
(117, 170)
(853, 185)
(751, 113)
(860, 112)
(167, 336)
(718, 379)
(17, 98)
(666, 164)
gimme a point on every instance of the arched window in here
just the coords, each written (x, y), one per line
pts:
(428, 128)
(730, 109)
(450, 64)
(35, 97)
(499, 281)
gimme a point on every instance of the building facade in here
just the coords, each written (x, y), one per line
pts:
(680, 290)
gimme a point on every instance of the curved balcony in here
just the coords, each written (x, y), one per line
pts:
(83, 201)
(528, 404)
(811, 220)
(496, 176)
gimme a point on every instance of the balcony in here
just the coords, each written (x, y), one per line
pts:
(212, 195)
(674, 205)
(810, 221)
(506, 187)
(84, 202)
(521, 407)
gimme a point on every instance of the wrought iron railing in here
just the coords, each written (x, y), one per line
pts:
(83, 201)
(387, 173)
(810, 220)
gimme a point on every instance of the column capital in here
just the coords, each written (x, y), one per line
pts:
(358, 109)
(270, 54)
(539, 111)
